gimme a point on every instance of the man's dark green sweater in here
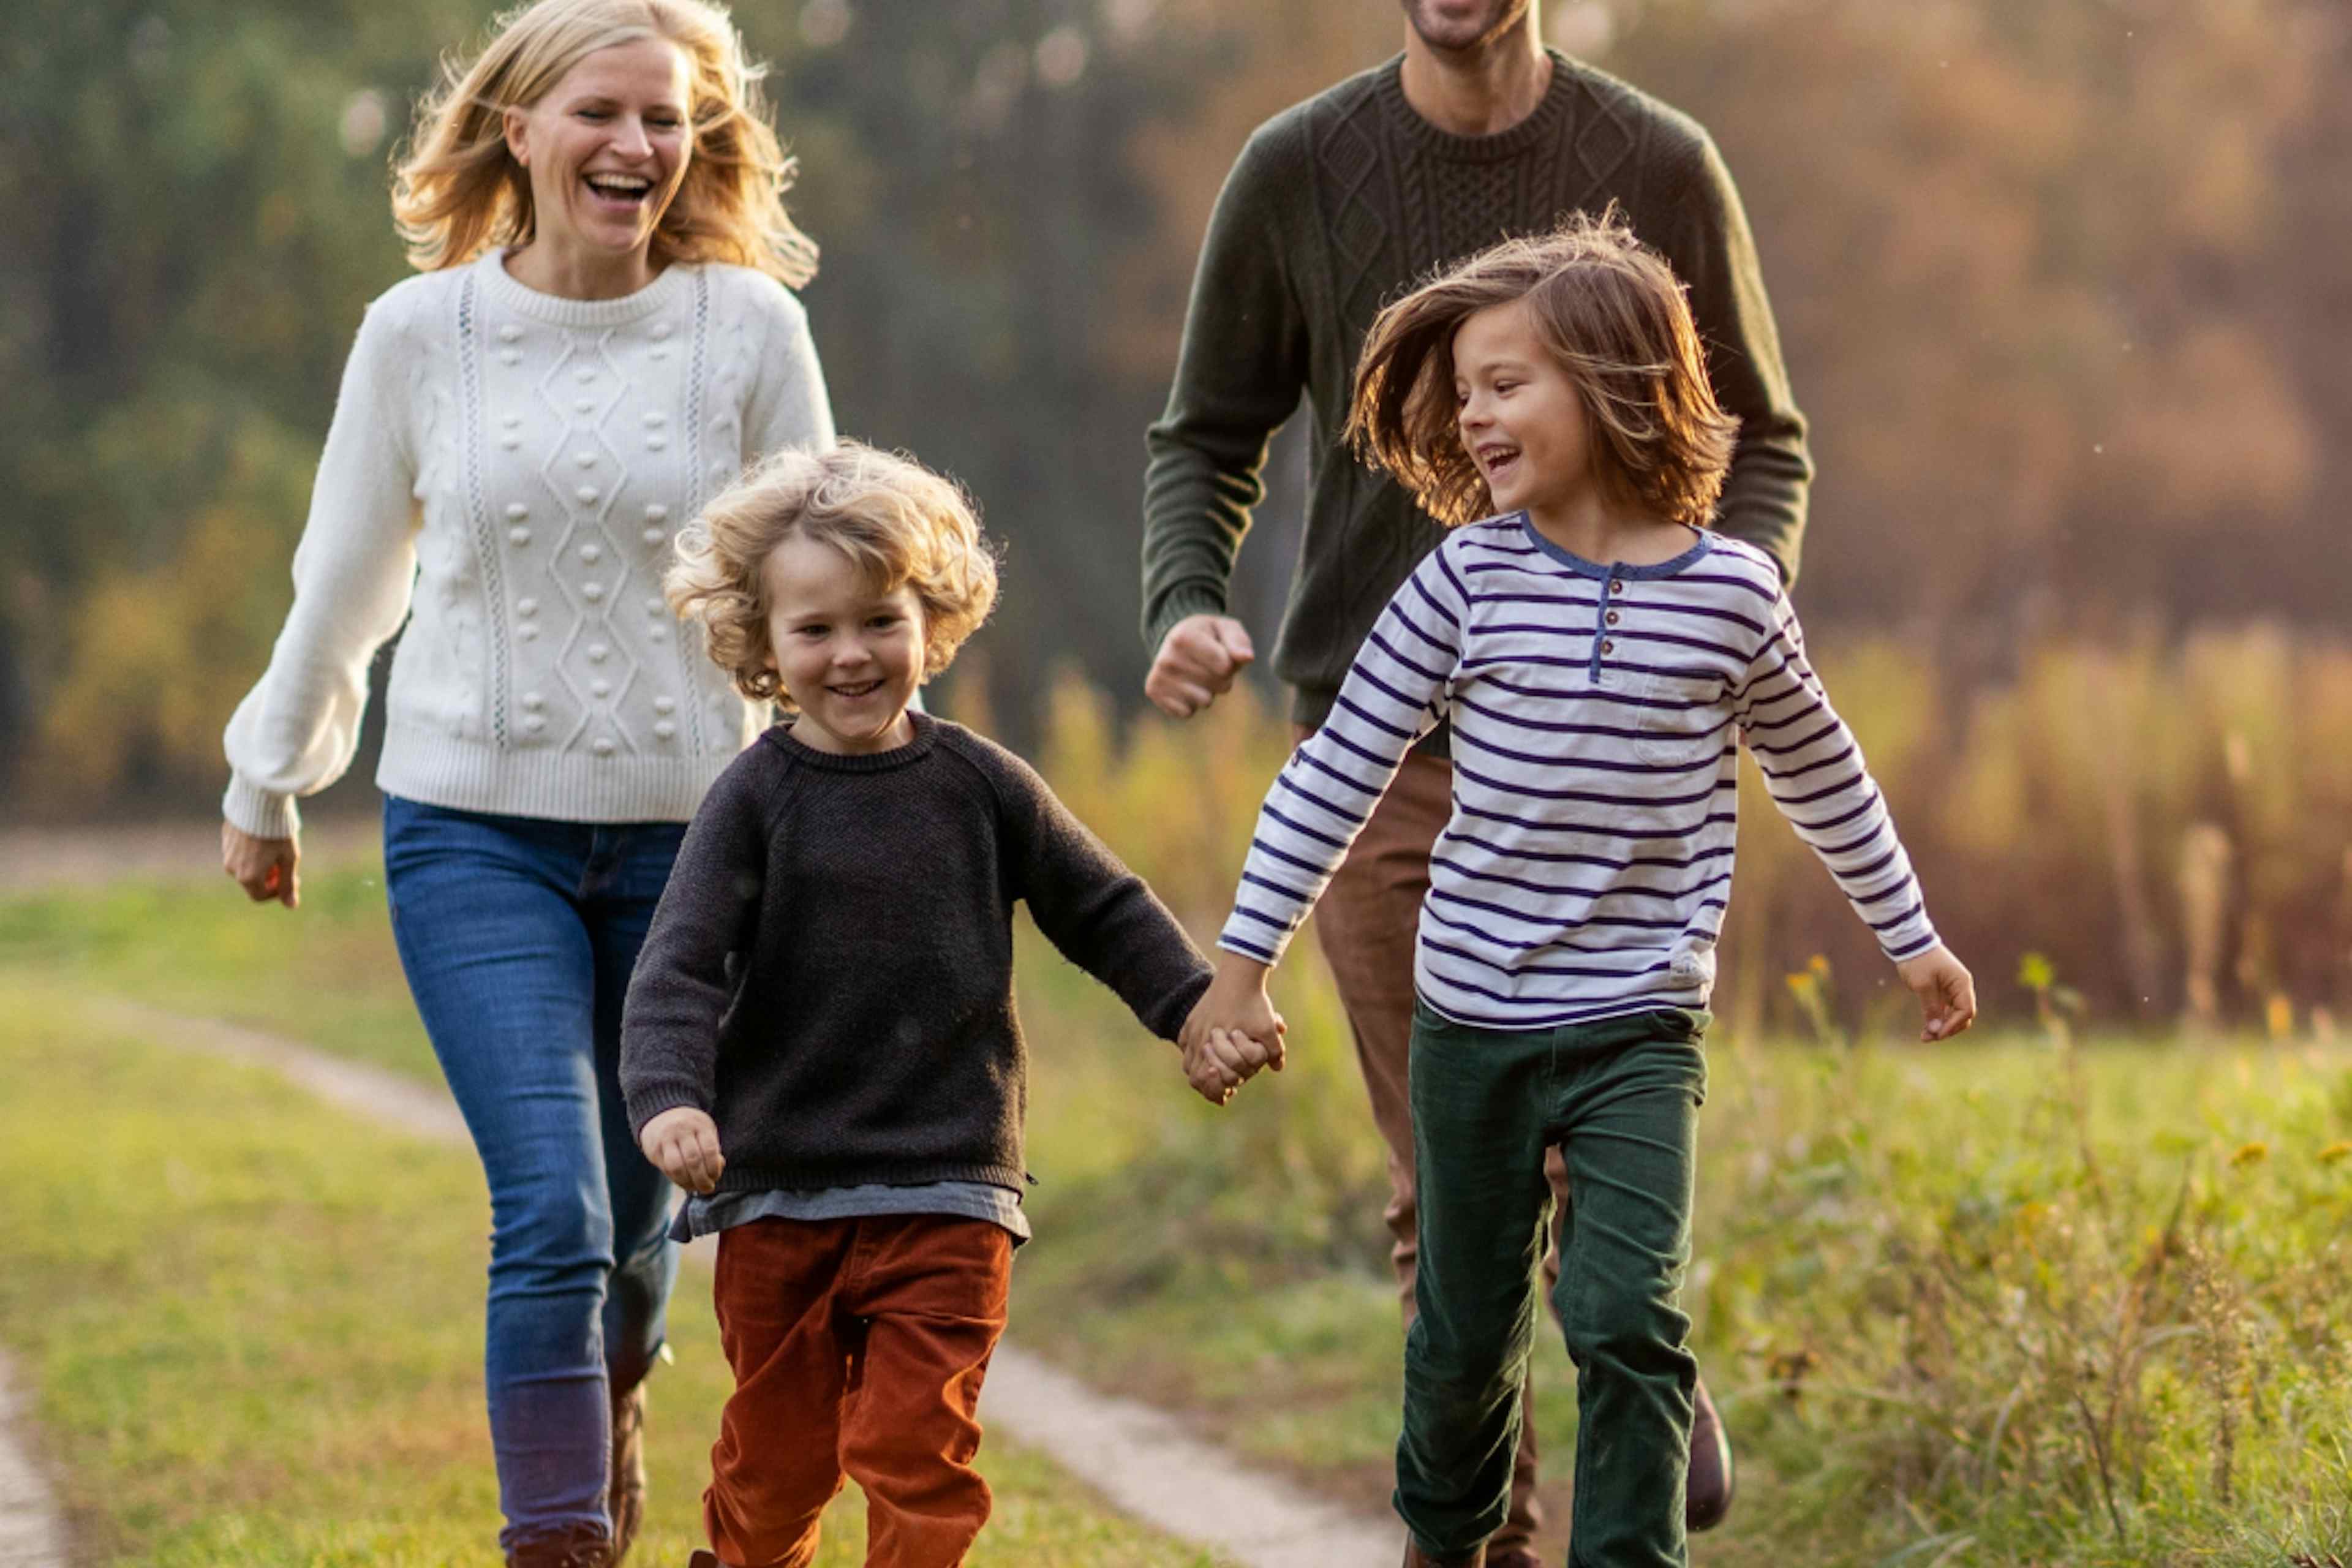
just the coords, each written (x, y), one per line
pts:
(1336, 207)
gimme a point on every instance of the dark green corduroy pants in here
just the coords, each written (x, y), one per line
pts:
(1620, 1099)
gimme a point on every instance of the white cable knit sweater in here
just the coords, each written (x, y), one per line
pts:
(507, 468)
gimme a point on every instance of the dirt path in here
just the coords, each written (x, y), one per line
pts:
(32, 1535)
(1143, 1461)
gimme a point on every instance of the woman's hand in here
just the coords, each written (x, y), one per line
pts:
(683, 1143)
(264, 868)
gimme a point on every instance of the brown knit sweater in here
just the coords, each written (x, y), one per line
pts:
(1338, 204)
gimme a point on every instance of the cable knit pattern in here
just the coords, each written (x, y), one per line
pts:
(506, 470)
(1338, 206)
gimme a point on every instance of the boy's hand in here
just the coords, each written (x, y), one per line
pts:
(1234, 1030)
(683, 1143)
(1947, 993)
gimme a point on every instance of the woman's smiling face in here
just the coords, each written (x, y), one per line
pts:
(606, 147)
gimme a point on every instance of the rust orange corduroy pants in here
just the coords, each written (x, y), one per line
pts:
(858, 1347)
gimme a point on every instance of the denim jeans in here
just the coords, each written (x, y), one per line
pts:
(518, 935)
(1620, 1099)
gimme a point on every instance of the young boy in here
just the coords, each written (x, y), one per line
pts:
(820, 1040)
(1595, 649)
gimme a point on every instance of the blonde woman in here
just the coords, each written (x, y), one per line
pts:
(601, 336)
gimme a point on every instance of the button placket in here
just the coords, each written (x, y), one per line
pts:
(1612, 587)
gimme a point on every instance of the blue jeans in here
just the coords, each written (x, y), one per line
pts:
(518, 935)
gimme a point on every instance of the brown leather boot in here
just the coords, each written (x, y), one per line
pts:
(625, 1498)
(1415, 1557)
(583, 1548)
(1708, 1496)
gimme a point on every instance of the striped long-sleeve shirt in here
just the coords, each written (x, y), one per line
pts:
(1587, 865)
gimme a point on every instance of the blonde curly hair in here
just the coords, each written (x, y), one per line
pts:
(899, 525)
(1613, 315)
(457, 190)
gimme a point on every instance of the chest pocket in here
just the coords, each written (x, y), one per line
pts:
(1682, 722)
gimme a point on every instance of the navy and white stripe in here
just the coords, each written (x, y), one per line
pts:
(1596, 711)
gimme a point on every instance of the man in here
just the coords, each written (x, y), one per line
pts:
(1337, 205)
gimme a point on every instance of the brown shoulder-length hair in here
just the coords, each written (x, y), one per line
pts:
(898, 523)
(1613, 315)
(457, 190)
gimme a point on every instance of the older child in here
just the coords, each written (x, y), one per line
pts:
(819, 1039)
(1595, 650)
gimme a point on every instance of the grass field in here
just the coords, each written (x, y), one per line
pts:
(2012, 1303)
(253, 1327)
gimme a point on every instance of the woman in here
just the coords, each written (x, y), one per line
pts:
(600, 337)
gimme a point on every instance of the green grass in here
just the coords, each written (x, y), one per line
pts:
(1993, 1304)
(253, 1328)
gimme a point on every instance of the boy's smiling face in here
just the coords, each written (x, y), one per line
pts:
(849, 658)
(1521, 420)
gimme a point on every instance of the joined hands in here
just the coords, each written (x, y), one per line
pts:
(1233, 1031)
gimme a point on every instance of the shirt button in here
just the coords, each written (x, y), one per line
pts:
(525, 606)
(1612, 617)
(656, 514)
(597, 652)
(656, 418)
(532, 702)
(657, 633)
(657, 536)
(661, 353)
(517, 511)
(585, 459)
(510, 333)
(591, 554)
(528, 630)
(665, 704)
(654, 605)
(585, 374)
(535, 723)
(592, 592)
(662, 329)
(602, 746)
(664, 730)
(1616, 586)
(656, 443)
(510, 420)
(587, 494)
(599, 688)
(510, 356)
(518, 536)
(511, 442)
(1608, 646)
(585, 405)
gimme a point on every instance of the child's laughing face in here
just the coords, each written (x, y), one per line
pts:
(850, 658)
(1521, 420)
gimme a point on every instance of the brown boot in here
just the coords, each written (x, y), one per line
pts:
(583, 1548)
(1707, 1497)
(625, 1500)
(1415, 1557)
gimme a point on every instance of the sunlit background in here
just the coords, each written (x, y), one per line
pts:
(2061, 287)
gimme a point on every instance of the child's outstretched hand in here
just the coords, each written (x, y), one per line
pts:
(1947, 993)
(683, 1143)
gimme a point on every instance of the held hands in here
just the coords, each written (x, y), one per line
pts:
(1233, 1031)
(1197, 663)
(683, 1142)
(264, 868)
(1947, 993)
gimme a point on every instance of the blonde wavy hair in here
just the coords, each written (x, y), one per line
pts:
(1611, 314)
(899, 525)
(457, 190)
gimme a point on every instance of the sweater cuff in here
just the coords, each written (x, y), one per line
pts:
(650, 1101)
(1185, 599)
(249, 808)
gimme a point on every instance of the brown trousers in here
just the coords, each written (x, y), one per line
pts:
(1366, 924)
(858, 1347)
